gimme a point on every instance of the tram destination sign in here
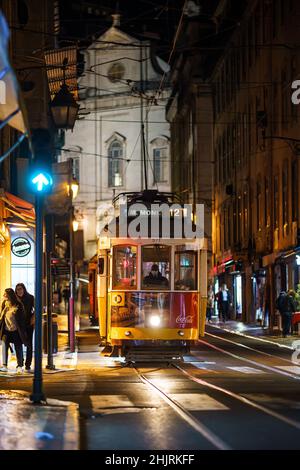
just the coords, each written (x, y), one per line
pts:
(161, 221)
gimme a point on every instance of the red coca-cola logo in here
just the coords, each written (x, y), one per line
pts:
(184, 319)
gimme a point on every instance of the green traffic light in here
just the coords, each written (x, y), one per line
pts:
(41, 181)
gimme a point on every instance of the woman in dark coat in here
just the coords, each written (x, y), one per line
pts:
(13, 327)
(28, 303)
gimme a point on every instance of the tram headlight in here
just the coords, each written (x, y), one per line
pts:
(154, 320)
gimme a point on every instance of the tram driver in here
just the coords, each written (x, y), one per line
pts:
(155, 278)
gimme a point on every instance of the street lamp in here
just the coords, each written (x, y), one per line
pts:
(64, 107)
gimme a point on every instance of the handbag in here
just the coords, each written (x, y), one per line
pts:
(2, 326)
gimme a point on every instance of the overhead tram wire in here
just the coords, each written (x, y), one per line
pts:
(158, 92)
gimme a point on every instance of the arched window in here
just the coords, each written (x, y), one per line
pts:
(159, 160)
(115, 170)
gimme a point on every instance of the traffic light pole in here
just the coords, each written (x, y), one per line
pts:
(72, 280)
(38, 394)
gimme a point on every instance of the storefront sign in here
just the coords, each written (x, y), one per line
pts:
(21, 247)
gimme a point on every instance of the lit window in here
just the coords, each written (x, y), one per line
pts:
(124, 267)
(156, 267)
(160, 165)
(185, 270)
(115, 170)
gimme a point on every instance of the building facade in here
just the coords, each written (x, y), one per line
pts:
(25, 52)
(256, 171)
(117, 93)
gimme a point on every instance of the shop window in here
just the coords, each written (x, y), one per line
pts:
(124, 267)
(156, 267)
(185, 270)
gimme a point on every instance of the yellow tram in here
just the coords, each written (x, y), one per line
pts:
(150, 291)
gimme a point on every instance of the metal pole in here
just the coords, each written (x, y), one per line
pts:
(50, 364)
(37, 393)
(71, 301)
(49, 243)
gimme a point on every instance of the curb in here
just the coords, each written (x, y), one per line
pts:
(71, 432)
(238, 333)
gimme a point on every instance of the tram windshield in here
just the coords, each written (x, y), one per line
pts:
(124, 267)
(156, 267)
(185, 270)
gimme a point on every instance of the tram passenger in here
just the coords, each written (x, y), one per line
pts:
(155, 278)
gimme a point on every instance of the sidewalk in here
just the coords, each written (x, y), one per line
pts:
(255, 331)
(50, 426)
(24, 426)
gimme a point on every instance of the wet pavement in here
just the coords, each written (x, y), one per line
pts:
(231, 392)
(24, 426)
(258, 332)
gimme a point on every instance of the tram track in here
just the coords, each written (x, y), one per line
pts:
(250, 348)
(196, 423)
(245, 359)
(184, 414)
(246, 401)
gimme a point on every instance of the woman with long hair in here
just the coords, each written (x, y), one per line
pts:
(12, 328)
(28, 304)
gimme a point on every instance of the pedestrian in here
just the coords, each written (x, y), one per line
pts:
(12, 328)
(224, 299)
(210, 303)
(66, 297)
(28, 304)
(286, 305)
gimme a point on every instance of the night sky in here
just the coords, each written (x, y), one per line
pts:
(86, 20)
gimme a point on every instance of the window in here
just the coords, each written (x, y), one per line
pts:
(116, 72)
(156, 267)
(115, 173)
(245, 204)
(294, 190)
(276, 205)
(239, 218)
(76, 168)
(267, 203)
(124, 267)
(285, 194)
(258, 205)
(185, 270)
(160, 165)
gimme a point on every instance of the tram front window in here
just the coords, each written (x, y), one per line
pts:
(155, 267)
(124, 267)
(185, 271)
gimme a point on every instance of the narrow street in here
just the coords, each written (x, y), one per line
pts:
(229, 393)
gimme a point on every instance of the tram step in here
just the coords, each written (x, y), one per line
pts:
(154, 355)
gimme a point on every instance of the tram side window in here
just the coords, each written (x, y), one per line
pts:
(185, 271)
(124, 267)
(156, 267)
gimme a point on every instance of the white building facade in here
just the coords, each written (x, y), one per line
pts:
(117, 90)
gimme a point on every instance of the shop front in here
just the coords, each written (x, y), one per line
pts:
(5, 261)
(17, 245)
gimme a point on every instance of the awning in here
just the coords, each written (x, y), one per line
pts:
(12, 111)
(18, 207)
